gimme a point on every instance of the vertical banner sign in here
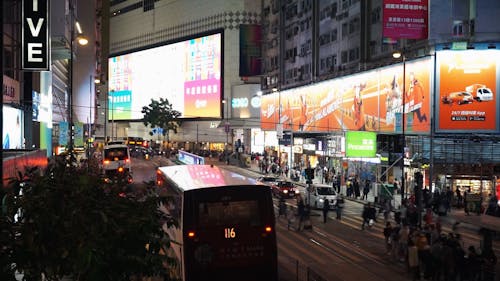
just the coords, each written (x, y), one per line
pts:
(63, 133)
(78, 134)
(405, 19)
(35, 35)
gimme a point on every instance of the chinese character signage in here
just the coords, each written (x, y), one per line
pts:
(405, 19)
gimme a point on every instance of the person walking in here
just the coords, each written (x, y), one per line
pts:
(326, 208)
(488, 262)
(366, 189)
(413, 261)
(301, 213)
(339, 205)
(282, 207)
(388, 236)
(355, 186)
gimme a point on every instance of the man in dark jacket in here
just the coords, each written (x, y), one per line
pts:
(326, 208)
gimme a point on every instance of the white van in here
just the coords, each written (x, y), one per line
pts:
(116, 159)
(318, 193)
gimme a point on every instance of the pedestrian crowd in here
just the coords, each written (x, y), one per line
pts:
(431, 254)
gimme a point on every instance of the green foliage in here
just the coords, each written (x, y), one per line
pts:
(160, 114)
(72, 224)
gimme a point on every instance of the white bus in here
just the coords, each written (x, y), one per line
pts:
(226, 225)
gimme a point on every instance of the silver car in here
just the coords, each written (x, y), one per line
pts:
(318, 193)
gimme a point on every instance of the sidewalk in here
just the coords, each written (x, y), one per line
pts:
(454, 215)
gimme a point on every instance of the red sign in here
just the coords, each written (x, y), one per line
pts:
(405, 19)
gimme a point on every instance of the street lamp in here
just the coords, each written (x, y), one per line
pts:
(112, 99)
(401, 55)
(82, 41)
(226, 129)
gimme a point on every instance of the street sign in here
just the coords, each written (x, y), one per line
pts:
(279, 131)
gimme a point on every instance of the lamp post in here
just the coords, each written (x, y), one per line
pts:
(401, 55)
(112, 99)
(226, 129)
(82, 41)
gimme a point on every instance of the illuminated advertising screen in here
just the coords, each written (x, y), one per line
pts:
(12, 128)
(186, 73)
(361, 144)
(369, 101)
(467, 98)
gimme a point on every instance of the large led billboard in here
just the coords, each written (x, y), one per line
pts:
(467, 98)
(186, 73)
(368, 101)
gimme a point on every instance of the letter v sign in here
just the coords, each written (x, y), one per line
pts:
(35, 31)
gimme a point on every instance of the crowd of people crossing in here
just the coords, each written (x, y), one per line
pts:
(428, 252)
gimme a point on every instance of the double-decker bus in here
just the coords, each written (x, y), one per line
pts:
(225, 226)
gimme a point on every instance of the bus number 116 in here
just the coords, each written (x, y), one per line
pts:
(229, 233)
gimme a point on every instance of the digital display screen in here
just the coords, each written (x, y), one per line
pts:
(12, 128)
(228, 213)
(186, 73)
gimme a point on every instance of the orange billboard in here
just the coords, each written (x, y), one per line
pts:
(467, 90)
(368, 101)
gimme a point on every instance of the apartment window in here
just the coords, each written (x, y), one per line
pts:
(344, 30)
(375, 15)
(345, 4)
(334, 9)
(343, 57)
(148, 5)
(334, 35)
(322, 64)
(334, 60)
(354, 25)
(354, 54)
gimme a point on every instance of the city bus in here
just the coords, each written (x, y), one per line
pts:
(225, 226)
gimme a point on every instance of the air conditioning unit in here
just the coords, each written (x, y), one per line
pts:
(460, 29)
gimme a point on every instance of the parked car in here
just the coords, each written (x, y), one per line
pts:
(268, 180)
(458, 98)
(318, 193)
(284, 188)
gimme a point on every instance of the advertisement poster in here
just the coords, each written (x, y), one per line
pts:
(12, 128)
(186, 73)
(78, 139)
(405, 19)
(467, 98)
(368, 101)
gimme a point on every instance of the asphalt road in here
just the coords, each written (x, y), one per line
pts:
(335, 250)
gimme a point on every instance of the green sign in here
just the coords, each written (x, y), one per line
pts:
(361, 144)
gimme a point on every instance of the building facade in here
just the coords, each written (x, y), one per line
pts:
(141, 25)
(330, 61)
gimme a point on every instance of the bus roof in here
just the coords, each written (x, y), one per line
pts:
(190, 177)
